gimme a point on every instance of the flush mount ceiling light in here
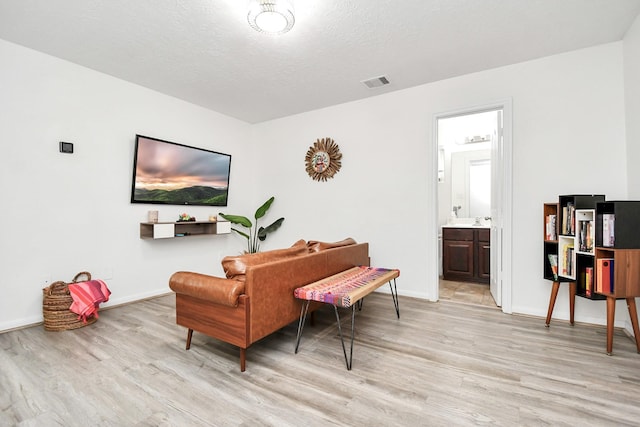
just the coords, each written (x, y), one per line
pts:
(271, 16)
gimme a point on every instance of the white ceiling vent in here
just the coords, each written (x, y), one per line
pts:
(376, 82)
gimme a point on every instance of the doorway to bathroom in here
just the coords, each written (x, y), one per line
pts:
(472, 170)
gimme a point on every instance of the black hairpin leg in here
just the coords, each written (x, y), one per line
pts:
(303, 315)
(394, 295)
(348, 360)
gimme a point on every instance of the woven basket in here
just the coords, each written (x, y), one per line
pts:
(56, 302)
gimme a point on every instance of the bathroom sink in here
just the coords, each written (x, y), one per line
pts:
(467, 225)
(474, 222)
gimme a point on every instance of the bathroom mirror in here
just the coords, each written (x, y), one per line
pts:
(471, 183)
(464, 165)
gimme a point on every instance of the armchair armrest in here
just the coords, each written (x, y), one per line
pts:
(209, 288)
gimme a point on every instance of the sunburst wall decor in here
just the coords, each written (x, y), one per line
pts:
(323, 159)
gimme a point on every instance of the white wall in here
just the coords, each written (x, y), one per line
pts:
(67, 213)
(566, 108)
(632, 103)
(64, 213)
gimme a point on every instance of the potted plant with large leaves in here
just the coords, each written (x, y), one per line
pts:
(255, 235)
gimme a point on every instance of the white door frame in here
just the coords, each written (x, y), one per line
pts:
(504, 246)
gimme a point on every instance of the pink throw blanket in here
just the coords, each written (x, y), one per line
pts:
(87, 296)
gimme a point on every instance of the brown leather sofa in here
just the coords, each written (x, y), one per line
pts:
(256, 298)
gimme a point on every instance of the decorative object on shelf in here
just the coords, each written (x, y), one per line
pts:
(184, 217)
(323, 159)
(213, 218)
(256, 235)
(153, 216)
(477, 138)
(272, 17)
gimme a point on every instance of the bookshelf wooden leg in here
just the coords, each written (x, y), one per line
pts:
(552, 302)
(189, 335)
(611, 314)
(633, 313)
(572, 300)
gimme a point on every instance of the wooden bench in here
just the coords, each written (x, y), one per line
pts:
(346, 289)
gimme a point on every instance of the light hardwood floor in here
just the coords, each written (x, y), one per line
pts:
(441, 364)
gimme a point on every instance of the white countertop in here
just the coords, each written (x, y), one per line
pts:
(465, 226)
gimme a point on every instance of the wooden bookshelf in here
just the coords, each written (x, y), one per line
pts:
(575, 215)
(619, 245)
(598, 249)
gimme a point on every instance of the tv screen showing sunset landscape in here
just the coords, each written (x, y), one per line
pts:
(174, 174)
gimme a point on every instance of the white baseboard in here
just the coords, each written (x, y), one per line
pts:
(30, 321)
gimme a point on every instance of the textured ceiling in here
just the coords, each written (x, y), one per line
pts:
(204, 52)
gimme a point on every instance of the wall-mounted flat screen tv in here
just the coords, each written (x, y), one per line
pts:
(174, 174)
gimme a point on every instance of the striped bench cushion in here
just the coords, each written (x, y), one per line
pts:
(346, 288)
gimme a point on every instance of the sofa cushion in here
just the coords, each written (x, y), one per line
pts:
(209, 288)
(315, 246)
(235, 267)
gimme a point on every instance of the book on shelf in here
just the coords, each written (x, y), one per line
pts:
(588, 280)
(608, 230)
(568, 219)
(585, 239)
(567, 260)
(550, 228)
(553, 261)
(611, 277)
(605, 283)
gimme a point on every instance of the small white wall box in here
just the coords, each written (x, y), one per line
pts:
(163, 231)
(223, 227)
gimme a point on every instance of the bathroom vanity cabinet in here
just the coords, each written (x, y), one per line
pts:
(466, 254)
